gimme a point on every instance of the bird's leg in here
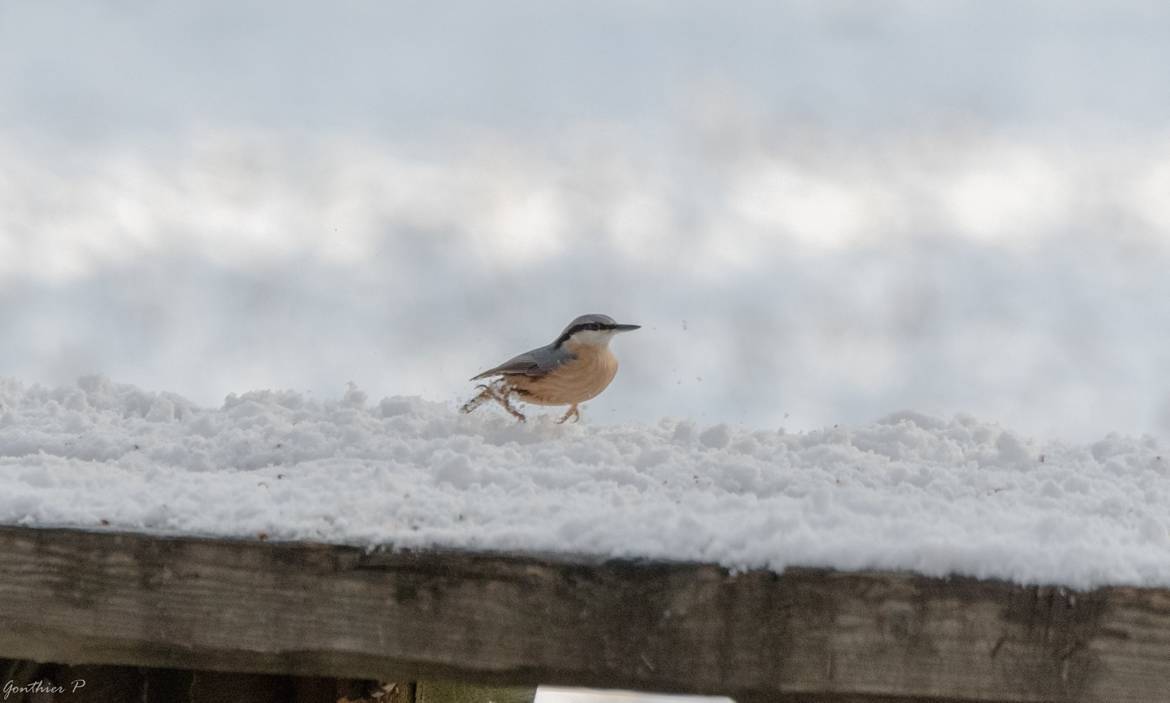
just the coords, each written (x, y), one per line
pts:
(485, 394)
(572, 412)
(497, 392)
(502, 399)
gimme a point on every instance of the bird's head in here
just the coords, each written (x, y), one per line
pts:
(592, 330)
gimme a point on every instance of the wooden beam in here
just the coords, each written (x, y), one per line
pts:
(77, 597)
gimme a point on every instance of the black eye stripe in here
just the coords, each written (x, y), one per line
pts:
(581, 327)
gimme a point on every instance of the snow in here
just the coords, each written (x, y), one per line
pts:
(909, 491)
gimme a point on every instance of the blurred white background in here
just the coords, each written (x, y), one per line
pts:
(821, 212)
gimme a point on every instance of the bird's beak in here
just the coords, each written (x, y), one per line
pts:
(626, 328)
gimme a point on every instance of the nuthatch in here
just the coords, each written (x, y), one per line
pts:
(576, 367)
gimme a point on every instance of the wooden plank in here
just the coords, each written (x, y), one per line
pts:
(317, 610)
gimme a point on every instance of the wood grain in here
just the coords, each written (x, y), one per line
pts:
(76, 597)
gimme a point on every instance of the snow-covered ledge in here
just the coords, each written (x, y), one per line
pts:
(912, 556)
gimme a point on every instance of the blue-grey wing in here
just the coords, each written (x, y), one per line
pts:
(534, 363)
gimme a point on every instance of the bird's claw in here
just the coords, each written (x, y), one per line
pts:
(492, 392)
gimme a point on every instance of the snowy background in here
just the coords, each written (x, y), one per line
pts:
(821, 212)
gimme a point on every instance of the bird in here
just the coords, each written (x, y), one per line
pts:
(577, 366)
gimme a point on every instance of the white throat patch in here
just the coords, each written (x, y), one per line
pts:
(596, 338)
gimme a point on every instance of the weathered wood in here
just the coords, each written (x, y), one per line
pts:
(308, 609)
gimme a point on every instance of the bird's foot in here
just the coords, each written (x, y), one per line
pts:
(503, 400)
(494, 392)
(485, 394)
(573, 413)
